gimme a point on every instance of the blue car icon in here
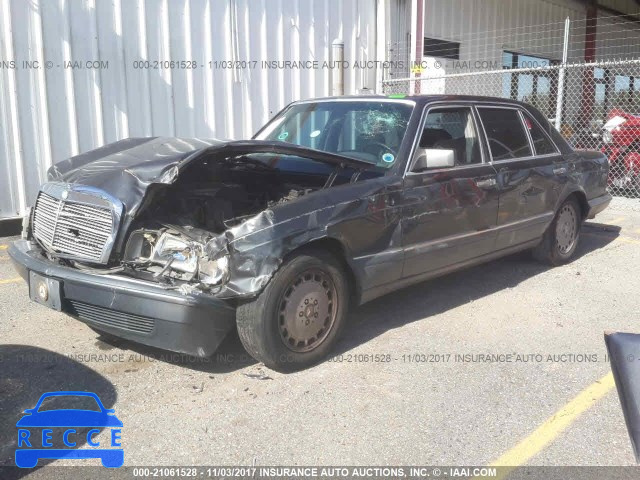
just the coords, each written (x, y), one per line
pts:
(69, 419)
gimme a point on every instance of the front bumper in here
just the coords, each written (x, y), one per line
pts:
(598, 204)
(140, 311)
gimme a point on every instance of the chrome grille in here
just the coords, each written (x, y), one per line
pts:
(74, 222)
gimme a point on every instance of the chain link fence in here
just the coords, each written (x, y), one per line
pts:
(593, 104)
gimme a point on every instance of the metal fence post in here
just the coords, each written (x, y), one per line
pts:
(565, 50)
(337, 73)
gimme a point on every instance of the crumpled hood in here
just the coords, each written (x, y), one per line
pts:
(125, 169)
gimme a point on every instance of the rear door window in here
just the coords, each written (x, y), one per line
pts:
(506, 135)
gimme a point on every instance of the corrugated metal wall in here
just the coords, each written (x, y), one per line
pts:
(486, 28)
(50, 110)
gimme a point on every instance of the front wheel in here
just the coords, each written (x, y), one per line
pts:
(560, 241)
(297, 318)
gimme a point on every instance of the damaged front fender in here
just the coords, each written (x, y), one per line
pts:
(258, 246)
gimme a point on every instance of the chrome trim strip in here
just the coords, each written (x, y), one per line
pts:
(449, 169)
(390, 252)
(540, 218)
(444, 242)
(523, 159)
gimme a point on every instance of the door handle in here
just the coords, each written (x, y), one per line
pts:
(487, 183)
(560, 171)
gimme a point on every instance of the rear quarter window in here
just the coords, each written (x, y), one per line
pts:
(541, 143)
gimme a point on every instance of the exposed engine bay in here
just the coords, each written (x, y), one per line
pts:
(215, 195)
(167, 241)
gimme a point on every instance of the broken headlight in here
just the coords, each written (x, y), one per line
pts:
(176, 253)
(167, 253)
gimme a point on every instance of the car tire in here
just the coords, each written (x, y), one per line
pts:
(560, 240)
(296, 320)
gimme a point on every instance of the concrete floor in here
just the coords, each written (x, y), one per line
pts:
(421, 401)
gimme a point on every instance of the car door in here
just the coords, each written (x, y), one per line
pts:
(528, 165)
(449, 213)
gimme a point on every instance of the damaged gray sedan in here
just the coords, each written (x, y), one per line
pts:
(174, 242)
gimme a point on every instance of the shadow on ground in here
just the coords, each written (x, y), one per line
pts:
(229, 357)
(439, 295)
(27, 373)
(396, 309)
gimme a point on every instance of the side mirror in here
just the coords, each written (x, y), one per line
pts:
(434, 158)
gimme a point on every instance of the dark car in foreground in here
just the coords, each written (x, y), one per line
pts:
(174, 242)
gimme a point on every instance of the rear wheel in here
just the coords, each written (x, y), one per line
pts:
(297, 318)
(560, 241)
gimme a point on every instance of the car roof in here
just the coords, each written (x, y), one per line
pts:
(419, 99)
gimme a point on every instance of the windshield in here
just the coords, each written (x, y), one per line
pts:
(365, 130)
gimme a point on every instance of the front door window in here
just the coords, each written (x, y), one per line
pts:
(452, 129)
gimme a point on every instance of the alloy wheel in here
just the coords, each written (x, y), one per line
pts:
(566, 228)
(307, 310)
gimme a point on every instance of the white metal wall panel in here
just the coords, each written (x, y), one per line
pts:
(50, 113)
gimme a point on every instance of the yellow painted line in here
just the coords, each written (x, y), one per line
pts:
(4, 247)
(619, 238)
(629, 240)
(617, 220)
(11, 280)
(553, 427)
